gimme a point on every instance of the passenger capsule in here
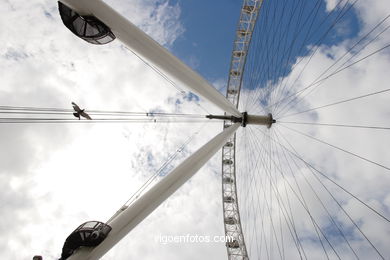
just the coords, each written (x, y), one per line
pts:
(228, 199)
(229, 144)
(242, 33)
(232, 91)
(233, 244)
(248, 9)
(230, 220)
(88, 27)
(235, 73)
(238, 54)
(228, 180)
(227, 162)
(89, 234)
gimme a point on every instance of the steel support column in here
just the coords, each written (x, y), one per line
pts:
(130, 217)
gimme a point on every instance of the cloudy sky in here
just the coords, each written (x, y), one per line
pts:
(54, 177)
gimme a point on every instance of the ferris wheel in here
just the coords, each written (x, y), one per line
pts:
(284, 199)
(281, 200)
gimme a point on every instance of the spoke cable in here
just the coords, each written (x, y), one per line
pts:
(303, 204)
(345, 212)
(159, 171)
(277, 139)
(338, 148)
(337, 125)
(337, 103)
(338, 185)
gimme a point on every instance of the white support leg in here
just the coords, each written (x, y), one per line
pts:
(152, 51)
(124, 222)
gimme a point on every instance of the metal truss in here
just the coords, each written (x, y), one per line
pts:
(236, 248)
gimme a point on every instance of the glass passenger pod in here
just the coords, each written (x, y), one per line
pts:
(88, 28)
(227, 162)
(228, 199)
(238, 54)
(242, 33)
(89, 234)
(232, 91)
(233, 244)
(230, 220)
(228, 180)
(229, 144)
(248, 9)
(235, 73)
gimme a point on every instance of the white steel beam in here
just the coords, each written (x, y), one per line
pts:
(125, 221)
(152, 51)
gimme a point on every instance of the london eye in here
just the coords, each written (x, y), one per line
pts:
(303, 132)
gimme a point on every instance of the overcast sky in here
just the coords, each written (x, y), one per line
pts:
(54, 177)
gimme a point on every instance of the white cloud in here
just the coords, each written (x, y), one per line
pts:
(157, 18)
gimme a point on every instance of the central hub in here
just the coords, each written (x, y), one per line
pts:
(247, 119)
(257, 120)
